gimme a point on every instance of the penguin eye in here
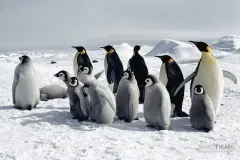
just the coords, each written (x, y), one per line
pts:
(60, 74)
(85, 69)
(198, 90)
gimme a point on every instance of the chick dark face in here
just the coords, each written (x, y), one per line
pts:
(24, 59)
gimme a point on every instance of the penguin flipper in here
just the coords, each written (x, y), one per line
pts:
(15, 82)
(103, 95)
(190, 77)
(230, 76)
(98, 74)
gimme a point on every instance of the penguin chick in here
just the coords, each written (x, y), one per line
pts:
(127, 97)
(52, 91)
(64, 76)
(157, 104)
(102, 102)
(81, 59)
(25, 87)
(79, 104)
(202, 113)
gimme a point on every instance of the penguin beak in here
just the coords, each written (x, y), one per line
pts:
(102, 47)
(159, 57)
(194, 42)
(55, 75)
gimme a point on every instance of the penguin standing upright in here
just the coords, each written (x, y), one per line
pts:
(25, 87)
(81, 58)
(113, 67)
(140, 70)
(171, 76)
(157, 104)
(202, 113)
(209, 75)
(127, 97)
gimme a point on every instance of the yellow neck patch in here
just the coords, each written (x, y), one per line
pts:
(139, 52)
(83, 52)
(111, 51)
(170, 60)
(208, 58)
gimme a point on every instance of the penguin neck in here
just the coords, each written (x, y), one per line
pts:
(208, 58)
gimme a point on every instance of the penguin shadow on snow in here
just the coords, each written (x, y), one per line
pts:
(181, 125)
(8, 107)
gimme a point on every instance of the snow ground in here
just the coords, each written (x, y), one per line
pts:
(49, 132)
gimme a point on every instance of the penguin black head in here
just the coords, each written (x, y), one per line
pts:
(166, 59)
(150, 80)
(63, 75)
(109, 49)
(85, 69)
(202, 46)
(198, 89)
(127, 74)
(80, 49)
(24, 59)
(85, 90)
(136, 49)
(73, 81)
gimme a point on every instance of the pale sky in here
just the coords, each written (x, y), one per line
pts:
(29, 24)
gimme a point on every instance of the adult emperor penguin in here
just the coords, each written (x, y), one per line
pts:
(209, 75)
(113, 68)
(157, 104)
(102, 102)
(171, 76)
(81, 58)
(79, 103)
(202, 113)
(25, 87)
(140, 70)
(127, 97)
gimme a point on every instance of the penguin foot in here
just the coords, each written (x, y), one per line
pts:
(207, 130)
(17, 107)
(136, 119)
(74, 118)
(182, 114)
(29, 107)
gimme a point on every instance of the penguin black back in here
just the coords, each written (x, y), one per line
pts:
(82, 57)
(140, 70)
(174, 79)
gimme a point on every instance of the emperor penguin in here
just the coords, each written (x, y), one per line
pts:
(157, 104)
(52, 91)
(171, 76)
(209, 75)
(102, 102)
(64, 76)
(79, 104)
(140, 70)
(113, 68)
(81, 58)
(202, 113)
(127, 97)
(25, 87)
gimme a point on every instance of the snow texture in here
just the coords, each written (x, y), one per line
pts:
(227, 43)
(49, 132)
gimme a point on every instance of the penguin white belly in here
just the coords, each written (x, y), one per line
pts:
(75, 66)
(163, 75)
(27, 90)
(84, 78)
(106, 67)
(211, 78)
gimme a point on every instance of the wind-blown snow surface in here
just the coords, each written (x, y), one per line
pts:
(49, 132)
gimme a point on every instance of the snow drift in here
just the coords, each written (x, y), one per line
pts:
(227, 43)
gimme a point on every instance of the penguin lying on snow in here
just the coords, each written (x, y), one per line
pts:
(25, 87)
(171, 76)
(140, 70)
(113, 68)
(52, 91)
(202, 113)
(127, 97)
(157, 104)
(102, 102)
(209, 75)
